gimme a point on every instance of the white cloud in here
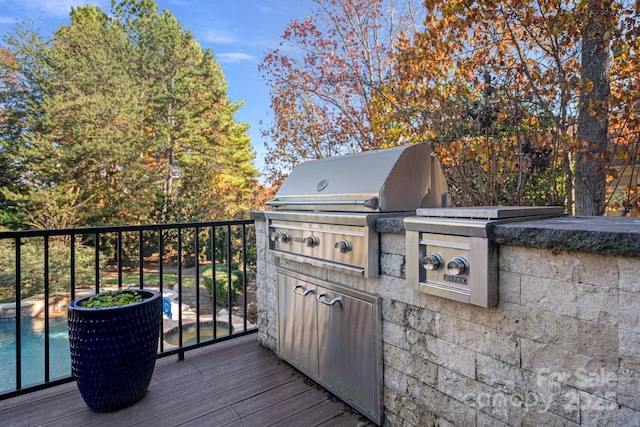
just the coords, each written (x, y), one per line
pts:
(235, 57)
(62, 8)
(220, 37)
(7, 20)
(226, 37)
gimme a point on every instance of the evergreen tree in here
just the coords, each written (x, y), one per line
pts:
(121, 119)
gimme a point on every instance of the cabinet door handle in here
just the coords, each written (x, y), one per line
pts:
(304, 292)
(334, 301)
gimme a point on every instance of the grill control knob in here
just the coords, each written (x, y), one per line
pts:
(458, 266)
(432, 262)
(279, 236)
(311, 241)
(343, 246)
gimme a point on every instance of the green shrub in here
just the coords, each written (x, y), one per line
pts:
(32, 267)
(222, 284)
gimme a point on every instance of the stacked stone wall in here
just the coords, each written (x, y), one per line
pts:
(562, 348)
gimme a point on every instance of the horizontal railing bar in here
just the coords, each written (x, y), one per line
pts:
(116, 228)
(36, 387)
(181, 350)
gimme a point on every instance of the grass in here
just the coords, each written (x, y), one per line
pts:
(132, 279)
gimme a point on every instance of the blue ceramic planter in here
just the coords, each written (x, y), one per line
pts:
(113, 350)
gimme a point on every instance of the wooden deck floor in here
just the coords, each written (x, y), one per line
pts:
(235, 383)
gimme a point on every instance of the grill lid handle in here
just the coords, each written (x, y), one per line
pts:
(371, 203)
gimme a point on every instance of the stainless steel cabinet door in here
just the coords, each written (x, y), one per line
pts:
(347, 349)
(297, 328)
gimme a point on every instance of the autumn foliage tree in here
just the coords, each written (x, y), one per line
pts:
(624, 104)
(503, 91)
(490, 84)
(540, 69)
(323, 77)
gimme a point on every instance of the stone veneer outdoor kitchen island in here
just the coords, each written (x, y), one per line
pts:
(562, 347)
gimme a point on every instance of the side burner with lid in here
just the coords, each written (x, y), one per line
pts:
(450, 252)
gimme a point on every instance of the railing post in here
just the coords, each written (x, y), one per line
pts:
(197, 265)
(97, 260)
(180, 353)
(18, 315)
(72, 279)
(214, 298)
(229, 275)
(46, 309)
(119, 255)
(244, 274)
(161, 279)
(140, 260)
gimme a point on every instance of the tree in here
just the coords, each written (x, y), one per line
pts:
(91, 127)
(81, 139)
(490, 83)
(494, 86)
(197, 147)
(593, 116)
(538, 82)
(321, 98)
(19, 113)
(624, 129)
(123, 119)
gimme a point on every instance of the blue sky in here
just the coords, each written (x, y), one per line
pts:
(238, 32)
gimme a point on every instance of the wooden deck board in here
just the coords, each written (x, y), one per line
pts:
(234, 383)
(319, 412)
(265, 400)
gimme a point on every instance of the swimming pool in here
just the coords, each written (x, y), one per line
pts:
(189, 333)
(33, 351)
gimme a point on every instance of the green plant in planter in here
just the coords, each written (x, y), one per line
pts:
(112, 299)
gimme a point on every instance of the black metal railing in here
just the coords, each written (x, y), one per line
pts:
(204, 270)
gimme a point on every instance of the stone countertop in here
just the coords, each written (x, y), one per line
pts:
(257, 216)
(603, 235)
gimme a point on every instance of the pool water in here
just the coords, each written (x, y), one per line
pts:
(189, 333)
(32, 359)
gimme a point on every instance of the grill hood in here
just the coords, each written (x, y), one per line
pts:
(391, 180)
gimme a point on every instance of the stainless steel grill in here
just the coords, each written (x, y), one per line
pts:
(326, 209)
(325, 215)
